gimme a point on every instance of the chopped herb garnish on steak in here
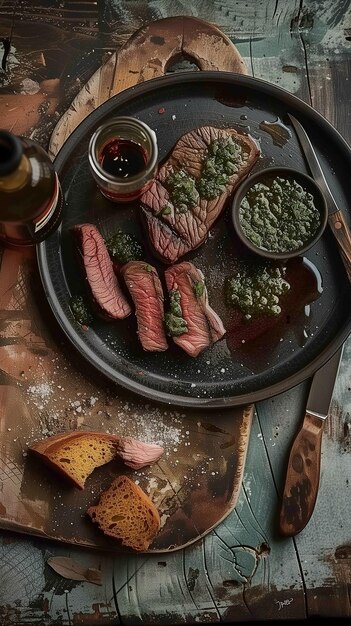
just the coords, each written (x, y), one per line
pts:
(124, 247)
(213, 186)
(166, 210)
(182, 191)
(174, 321)
(178, 234)
(222, 160)
(198, 288)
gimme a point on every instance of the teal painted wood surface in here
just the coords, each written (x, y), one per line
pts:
(243, 570)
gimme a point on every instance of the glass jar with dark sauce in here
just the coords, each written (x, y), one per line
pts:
(123, 157)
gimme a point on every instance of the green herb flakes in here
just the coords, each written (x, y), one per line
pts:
(174, 321)
(124, 247)
(182, 191)
(256, 289)
(199, 288)
(166, 210)
(279, 216)
(221, 160)
(81, 311)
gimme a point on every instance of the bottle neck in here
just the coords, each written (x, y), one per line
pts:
(16, 180)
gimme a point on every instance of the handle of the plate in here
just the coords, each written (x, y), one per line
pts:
(149, 52)
(342, 233)
(302, 477)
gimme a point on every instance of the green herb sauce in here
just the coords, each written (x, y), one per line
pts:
(174, 321)
(182, 191)
(279, 216)
(80, 310)
(198, 288)
(256, 289)
(166, 210)
(221, 160)
(124, 247)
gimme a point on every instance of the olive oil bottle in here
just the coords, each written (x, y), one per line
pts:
(30, 194)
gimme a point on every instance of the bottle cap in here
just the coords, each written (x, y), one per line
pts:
(11, 151)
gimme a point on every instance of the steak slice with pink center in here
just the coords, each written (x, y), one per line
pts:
(102, 280)
(173, 228)
(200, 324)
(145, 288)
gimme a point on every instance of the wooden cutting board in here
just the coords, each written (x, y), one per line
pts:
(47, 388)
(148, 53)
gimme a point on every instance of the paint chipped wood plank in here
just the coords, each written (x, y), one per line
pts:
(323, 564)
(34, 592)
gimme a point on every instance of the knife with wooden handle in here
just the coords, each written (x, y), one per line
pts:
(336, 219)
(303, 471)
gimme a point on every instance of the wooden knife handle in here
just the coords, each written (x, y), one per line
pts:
(342, 234)
(302, 477)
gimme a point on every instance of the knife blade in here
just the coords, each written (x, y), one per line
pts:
(303, 470)
(336, 218)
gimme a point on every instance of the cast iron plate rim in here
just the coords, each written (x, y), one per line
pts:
(264, 393)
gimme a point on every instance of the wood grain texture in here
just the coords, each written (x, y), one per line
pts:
(323, 29)
(44, 594)
(45, 390)
(305, 48)
(302, 478)
(190, 499)
(320, 545)
(241, 571)
(146, 55)
(194, 485)
(37, 84)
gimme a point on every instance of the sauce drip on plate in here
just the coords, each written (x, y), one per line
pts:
(277, 130)
(258, 337)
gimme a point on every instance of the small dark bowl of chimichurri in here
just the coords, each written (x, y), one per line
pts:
(279, 212)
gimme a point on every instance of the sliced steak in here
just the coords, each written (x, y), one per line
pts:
(174, 231)
(102, 280)
(203, 327)
(145, 288)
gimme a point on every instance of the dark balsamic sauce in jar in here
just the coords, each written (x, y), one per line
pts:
(122, 158)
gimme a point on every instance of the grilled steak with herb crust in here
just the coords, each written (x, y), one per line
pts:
(145, 288)
(192, 187)
(108, 297)
(190, 310)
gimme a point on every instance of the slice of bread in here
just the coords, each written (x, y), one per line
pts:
(76, 454)
(126, 512)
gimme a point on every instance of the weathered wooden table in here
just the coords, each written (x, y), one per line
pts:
(241, 570)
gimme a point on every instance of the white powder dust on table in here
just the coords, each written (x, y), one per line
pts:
(40, 394)
(153, 426)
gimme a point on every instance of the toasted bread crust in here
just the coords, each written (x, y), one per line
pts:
(50, 449)
(126, 512)
(74, 455)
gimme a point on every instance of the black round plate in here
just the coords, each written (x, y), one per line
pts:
(234, 371)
